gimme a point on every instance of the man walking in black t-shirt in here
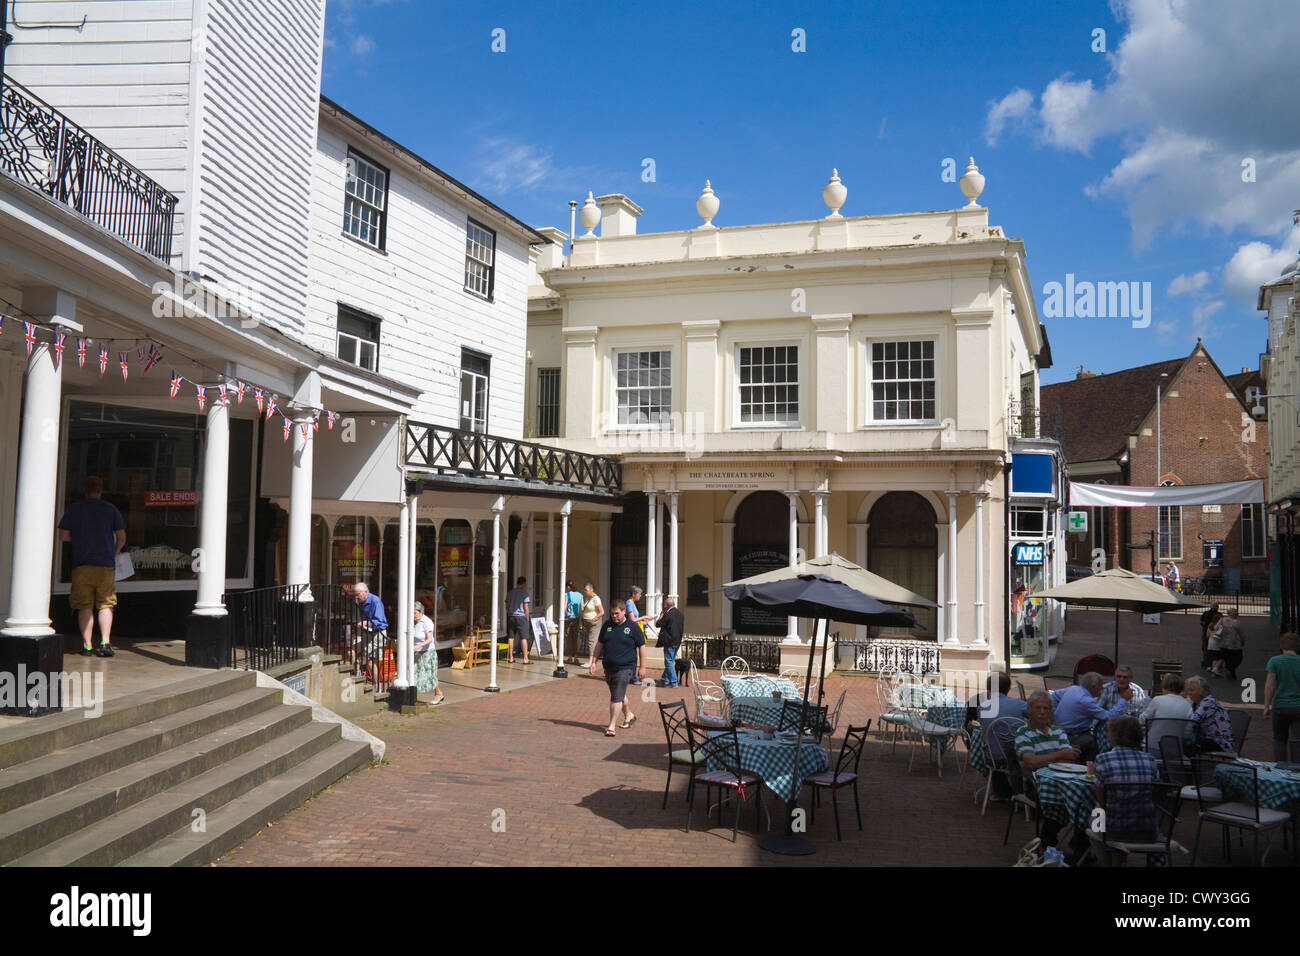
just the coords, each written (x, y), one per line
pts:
(622, 647)
(96, 531)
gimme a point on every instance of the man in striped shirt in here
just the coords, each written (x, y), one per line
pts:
(1039, 742)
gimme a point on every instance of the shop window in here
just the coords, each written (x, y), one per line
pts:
(1171, 529)
(356, 552)
(152, 466)
(1252, 531)
(903, 546)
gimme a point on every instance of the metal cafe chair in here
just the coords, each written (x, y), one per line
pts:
(792, 718)
(735, 665)
(996, 754)
(844, 774)
(1138, 818)
(681, 750)
(711, 705)
(1023, 797)
(1245, 815)
(721, 747)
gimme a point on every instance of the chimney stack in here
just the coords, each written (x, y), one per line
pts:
(618, 215)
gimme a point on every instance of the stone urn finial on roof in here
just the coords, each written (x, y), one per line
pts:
(589, 216)
(834, 193)
(707, 206)
(972, 182)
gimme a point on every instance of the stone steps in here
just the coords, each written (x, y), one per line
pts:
(177, 775)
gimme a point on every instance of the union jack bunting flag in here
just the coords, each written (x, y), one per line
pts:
(139, 351)
(288, 426)
(315, 421)
(239, 391)
(257, 396)
(270, 409)
(200, 393)
(176, 383)
(305, 427)
(329, 417)
(81, 353)
(123, 361)
(103, 360)
(59, 339)
(221, 391)
(29, 333)
(152, 358)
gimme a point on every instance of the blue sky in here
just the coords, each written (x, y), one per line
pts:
(1119, 166)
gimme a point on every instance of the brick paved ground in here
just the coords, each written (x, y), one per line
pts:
(573, 797)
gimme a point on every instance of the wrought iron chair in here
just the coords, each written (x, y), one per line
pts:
(997, 755)
(793, 717)
(897, 719)
(1024, 796)
(723, 748)
(712, 708)
(833, 719)
(1240, 720)
(735, 665)
(1178, 771)
(1183, 731)
(844, 774)
(1138, 818)
(681, 749)
(1245, 814)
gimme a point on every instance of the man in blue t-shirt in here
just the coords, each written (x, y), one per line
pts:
(518, 613)
(621, 646)
(95, 529)
(572, 612)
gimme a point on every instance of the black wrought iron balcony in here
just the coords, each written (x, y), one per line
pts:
(472, 455)
(41, 147)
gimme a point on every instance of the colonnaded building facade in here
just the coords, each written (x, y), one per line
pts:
(855, 385)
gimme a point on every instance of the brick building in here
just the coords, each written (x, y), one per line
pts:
(1179, 422)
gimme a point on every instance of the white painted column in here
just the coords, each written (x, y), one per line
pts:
(728, 569)
(792, 623)
(661, 541)
(673, 569)
(820, 523)
(564, 599)
(860, 552)
(300, 482)
(548, 572)
(212, 510)
(409, 624)
(951, 637)
(603, 528)
(38, 480)
(530, 560)
(941, 583)
(980, 639)
(497, 562)
(651, 551)
(402, 680)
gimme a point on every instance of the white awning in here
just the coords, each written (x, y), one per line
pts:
(1083, 495)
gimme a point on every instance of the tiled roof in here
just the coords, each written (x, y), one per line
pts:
(1092, 417)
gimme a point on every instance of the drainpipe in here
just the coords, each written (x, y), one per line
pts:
(1006, 563)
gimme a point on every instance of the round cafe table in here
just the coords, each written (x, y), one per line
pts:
(1277, 788)
(1066, 797)
(758, 685)
(764, 711)
(775, 761)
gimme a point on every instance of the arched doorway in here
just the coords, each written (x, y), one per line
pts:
(761, 543)
(903, 546)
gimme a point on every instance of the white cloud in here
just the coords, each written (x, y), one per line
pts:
(1255, 263)
(1188, 283)
(362, 45)
(1201, 316)
(507, 165)
(1016, 107)
(1192, 90)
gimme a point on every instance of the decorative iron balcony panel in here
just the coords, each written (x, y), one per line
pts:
(41, 147)
(452, 451)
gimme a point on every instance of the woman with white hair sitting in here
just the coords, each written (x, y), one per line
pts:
(1213, 725)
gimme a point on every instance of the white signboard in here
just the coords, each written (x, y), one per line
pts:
(1078, 522)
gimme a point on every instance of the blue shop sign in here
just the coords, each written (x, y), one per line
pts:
(1027, 554)
(1033, 474)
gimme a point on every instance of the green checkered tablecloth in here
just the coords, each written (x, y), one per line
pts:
(1277, 788)
(1067, 797)
(759, 685)
(774, 761)
(764, 711)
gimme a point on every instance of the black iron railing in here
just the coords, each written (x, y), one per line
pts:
(341, 629)
(267, 626)
(711, 650)
(453, 451)
(41, 147)
(887, 654)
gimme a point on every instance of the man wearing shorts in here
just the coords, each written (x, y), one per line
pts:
(518, 614)
(97, 532)
(622, 647)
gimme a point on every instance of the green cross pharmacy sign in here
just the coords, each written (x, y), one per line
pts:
(1079, 522)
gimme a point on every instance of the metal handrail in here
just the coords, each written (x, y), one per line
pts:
(443, 449)
(41, 147)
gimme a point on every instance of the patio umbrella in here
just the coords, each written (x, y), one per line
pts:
(1123, 589)
(826, 589)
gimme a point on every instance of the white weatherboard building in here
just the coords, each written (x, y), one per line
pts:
(844, 384)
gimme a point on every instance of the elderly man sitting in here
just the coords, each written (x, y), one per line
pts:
(1041, 742)
(1078, 712)
(1123, 688)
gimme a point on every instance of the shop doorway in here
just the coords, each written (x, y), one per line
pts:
(761, 543)
(903, 546)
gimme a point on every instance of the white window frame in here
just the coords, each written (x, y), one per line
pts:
(737, 421)
(357, 342)
(475, 421)
(1256, 520)
(1160, 536)
(481, 252)
(869, 377)
(615, 425)
(376, 204)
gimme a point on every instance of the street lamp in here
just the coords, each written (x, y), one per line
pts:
(1159, 472)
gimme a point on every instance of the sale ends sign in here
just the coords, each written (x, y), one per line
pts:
(171, 499)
